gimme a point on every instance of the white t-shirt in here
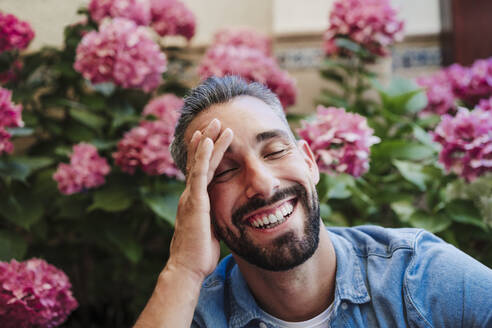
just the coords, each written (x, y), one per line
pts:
(320, 321)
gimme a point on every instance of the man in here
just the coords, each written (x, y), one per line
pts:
(252, 185)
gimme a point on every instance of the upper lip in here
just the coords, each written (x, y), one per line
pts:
(267, 208)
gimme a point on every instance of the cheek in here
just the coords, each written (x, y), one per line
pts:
(221, 201)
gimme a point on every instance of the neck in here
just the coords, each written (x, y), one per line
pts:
(311, 284)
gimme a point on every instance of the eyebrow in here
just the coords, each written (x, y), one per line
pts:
(270, 134)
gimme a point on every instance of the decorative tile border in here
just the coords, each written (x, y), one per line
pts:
(403, 58)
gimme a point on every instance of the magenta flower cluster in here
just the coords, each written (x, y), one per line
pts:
(123, 53)
(252, 64)
(86, 170)
(166, 17)
(440, 95)
(471, 83)
(371, 23)
(10, 117)
(340, 141)
(14, 33)
(34, 293)
(466, 141)
(172, 17)
(147, 145)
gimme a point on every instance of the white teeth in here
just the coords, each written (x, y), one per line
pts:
(277, 217)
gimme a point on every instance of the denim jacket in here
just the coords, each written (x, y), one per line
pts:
(385, 278)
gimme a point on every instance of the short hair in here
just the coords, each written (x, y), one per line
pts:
(212, 91)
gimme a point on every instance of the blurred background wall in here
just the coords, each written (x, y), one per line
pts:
(296, 28)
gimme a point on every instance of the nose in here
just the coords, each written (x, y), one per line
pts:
(260, 180)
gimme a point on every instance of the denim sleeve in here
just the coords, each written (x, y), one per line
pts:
(445, 287)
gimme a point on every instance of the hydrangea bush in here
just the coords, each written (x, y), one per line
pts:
(245, 53)
(86, 177)
(432, 166)
(34, 293)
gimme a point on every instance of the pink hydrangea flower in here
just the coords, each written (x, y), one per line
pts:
(172, 17)
(5, 145)
(340, 141)
(147, 146)
(123, 53)
(34, 293)
(440, 96)
(371, 23)
(86, 170)
(10, 114)
(165, 108)
(485, 104)
(12, 73)
(244, 37)
(466, 141)
(252, 65)
(135, 10)
(471, 83)
(14, 33)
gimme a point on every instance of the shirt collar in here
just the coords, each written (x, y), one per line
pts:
(350, 285)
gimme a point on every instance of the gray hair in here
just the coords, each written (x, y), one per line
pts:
(217, 90)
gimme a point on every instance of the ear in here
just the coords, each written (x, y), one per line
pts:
(310, 160)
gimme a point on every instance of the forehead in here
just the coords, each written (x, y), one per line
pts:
(244, 115)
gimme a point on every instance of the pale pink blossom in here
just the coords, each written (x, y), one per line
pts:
(86, 170)
(250, 64)
(135, 10)
(244, 36)
(340, 141)
(147, 147)
(122, 53)
(34, 293)
(172, 17)
(165, 108)
(485, 104)
(466, 141)
(14, 33)
(371, 23)
(440, 96)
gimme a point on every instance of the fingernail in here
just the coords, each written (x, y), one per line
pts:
(195, 135)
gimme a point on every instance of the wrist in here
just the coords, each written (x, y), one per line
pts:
(173, 271)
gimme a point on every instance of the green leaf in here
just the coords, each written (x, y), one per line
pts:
(112, 198)
(14, 170)
(32, 162)
(164, 205)
(464, 211)
(12, 246)
(432, 223)
(22, 208)
(325, 211)
(401, 149)
(412, 172)
(77, 132)
(424, 137)
(404, 209)
(124, 114)
(85, 117)
(348, 44)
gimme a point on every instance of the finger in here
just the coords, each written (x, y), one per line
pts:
(212, 130)
(199, 170)
(220, 148)
(195, 140)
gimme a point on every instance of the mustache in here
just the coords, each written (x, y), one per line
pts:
(256, 203)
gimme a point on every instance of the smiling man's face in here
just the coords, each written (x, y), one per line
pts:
(263, 197)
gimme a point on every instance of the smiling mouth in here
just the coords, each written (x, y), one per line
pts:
(274, 217)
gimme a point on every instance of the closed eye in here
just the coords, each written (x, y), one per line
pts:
(224, 173)
(276, 153)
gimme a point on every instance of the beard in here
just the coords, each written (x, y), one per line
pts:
(287, 250)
